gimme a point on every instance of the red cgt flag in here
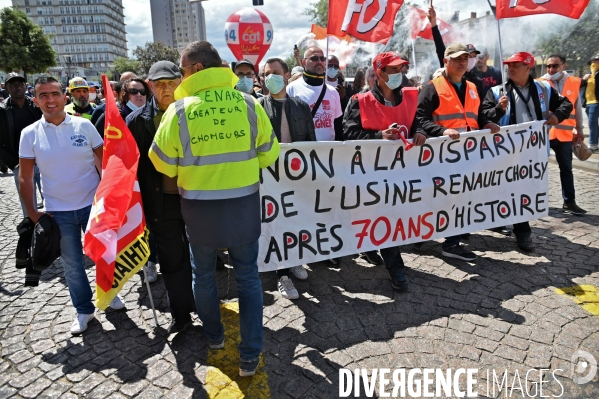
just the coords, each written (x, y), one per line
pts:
(116, 238)
(421, 27)
(519, 8)
(366, 20)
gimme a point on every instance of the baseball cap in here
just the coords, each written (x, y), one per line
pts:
(388, 58)
(595, 58)
(243, 62)
(456, 49)
(524, 57)
(164, 70)
(472, 49)
(297, 69)
(12, 76)
(78, 83)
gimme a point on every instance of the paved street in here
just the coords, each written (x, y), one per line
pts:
(505, 311)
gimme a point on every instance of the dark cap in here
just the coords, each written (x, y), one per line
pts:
(243, 62)
(12, 76)
(472, 49)
(164, 70)
(595, 58)
(455, 50)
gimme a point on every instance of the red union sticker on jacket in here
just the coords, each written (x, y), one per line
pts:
(332, 199)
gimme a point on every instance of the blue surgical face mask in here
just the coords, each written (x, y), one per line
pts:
(332, 73)
(555, 76)
(395, 80)
(245, 85)
(274, 83)
(132, 106)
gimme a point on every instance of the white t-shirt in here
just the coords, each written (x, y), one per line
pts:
(329, 110)
(65, 157)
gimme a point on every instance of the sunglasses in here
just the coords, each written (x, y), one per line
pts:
(316, 58)
(137, 91)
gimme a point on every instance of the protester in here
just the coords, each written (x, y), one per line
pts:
(369, 116)
(133, 95)
(3, 93)
(116, 87)
(359, 81)
(442, 105)
(245, 72)
(291, 121)
(562, 136)
(80, 95)
(490, 76)
(217, 173)
(513, 108)
(16, 113)
(370, 78)
(160, 196)
(322, 98)
(590, 87)
(68, 151)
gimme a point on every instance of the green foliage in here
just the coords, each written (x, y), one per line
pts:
(318, 12)
(291, 62)
(124, 64)
(577, 43)
(24, 45)
(152, 53)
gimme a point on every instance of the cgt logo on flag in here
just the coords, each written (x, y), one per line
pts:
(116, 238)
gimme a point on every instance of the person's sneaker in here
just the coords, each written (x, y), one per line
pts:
(286, 288)
(299, 272)
(334, 261)
(373, 258)
(398, 280)
(217, 345)
(459, 252)
(573, 209)
(247, 368)
(178, 327)
(80, 323)
(525, 243)
(151, 273)
(117, 303)
(594, 148)
(417, 246)
(502, 230)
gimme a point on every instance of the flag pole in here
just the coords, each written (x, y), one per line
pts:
(501, 56)
(414, 56)
(150, 292)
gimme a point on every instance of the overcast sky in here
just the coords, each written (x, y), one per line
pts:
(285, 15)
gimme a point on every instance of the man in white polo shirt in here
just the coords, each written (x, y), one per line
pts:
(68, 152)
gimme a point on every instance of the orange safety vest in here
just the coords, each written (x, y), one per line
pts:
(450, 113)
(377, 116)
(564, 132)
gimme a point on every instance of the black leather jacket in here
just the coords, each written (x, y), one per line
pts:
(299, 117)
(9, 138)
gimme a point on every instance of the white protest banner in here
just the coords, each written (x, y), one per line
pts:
(331, 199)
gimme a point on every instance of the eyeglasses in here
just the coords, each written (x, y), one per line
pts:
(316, 58)
(137, 91)
(246, 75)
(183, 68)
(551, 66)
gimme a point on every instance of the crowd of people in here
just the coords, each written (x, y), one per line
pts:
(200, 186)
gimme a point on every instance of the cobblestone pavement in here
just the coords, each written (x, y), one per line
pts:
(501, 312)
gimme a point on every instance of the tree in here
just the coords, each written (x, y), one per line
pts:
(124, 64)
(577, 43)
(24, 45)
(318, 12)
(152, 53)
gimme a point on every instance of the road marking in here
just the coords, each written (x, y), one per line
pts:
(222, 379)
(587, 296)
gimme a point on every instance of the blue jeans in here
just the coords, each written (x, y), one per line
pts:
(36, 183)
(592, 111)
(71, 225)
(249, 287)
(563, 156)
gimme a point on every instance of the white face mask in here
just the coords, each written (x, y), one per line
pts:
(471, 63)
(395, 80)
(132, 106)
(274, 83)
(92, 96)
(555, 76)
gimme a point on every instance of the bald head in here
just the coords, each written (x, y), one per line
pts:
(314, 61)
(127, 76)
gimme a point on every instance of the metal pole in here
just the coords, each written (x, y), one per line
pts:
(415, 66)
(501, 57)
(150, 292)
